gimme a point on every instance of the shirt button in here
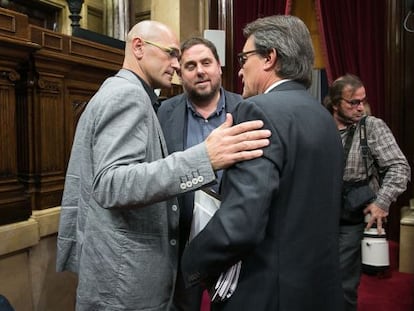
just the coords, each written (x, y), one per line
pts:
(189, 184)
(183, 186)
(174, 208)
(200, 179)
(173, 242)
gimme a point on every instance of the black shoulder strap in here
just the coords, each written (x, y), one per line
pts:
(363, 138)
(364, 143)
(348, 142)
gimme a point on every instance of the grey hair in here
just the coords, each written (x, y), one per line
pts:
(291, 39)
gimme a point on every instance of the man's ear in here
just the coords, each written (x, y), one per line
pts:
(137, 49)
(270, 59)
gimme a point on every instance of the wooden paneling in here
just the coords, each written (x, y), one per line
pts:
(14, 203)
(13, 25)
(39, 13)
(46, 80)
(95, 19)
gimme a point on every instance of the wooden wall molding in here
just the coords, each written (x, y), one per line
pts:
(15, 48)
(10, 75)
(24, 234)
(13, 24)
(18, 236)
(46, 80)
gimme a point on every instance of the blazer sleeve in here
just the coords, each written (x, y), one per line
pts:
(125, 173)
(240, 223)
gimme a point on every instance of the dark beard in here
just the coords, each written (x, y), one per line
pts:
(196, 97)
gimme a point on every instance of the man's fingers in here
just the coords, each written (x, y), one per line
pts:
(228, 122)
(250, 137)
(245, 127)
(379, 225)
(248, 130)
(229, 144)
(247, 155)
(370, 223)
(253, 142)
(378, 221)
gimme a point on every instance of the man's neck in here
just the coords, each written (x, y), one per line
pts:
(341, 124)
(207, 107)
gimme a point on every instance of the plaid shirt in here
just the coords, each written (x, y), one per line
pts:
(385, 162)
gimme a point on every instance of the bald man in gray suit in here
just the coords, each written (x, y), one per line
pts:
(119, 219)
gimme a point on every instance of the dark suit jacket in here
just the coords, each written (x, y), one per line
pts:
(279, 213)
(173, 118)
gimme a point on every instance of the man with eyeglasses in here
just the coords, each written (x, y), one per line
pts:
(119, 218)
(385, 169)
(279, 213)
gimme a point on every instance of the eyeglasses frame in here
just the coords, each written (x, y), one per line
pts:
(355, 102)
(242, 56)
(172, 52)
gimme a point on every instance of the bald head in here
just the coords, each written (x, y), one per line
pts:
(149, 30)
(148, 53)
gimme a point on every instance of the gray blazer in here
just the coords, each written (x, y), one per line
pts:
(119, 219)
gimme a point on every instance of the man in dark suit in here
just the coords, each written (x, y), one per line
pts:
(186, 120)
(279, 214)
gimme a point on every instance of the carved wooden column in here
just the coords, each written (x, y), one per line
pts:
(41, 140)
(65, 74)
(15, 50)
(46, 80)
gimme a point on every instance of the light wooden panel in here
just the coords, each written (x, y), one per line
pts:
(305, 10)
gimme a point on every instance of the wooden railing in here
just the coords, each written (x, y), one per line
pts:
(46, 80)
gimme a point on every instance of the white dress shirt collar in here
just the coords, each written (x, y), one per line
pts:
(275, 84)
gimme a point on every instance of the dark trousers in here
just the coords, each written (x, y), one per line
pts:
(186, 299)
(350, 237)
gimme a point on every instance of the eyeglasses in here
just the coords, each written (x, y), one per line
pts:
(355, 102)
(242, 57)
(172, 52)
